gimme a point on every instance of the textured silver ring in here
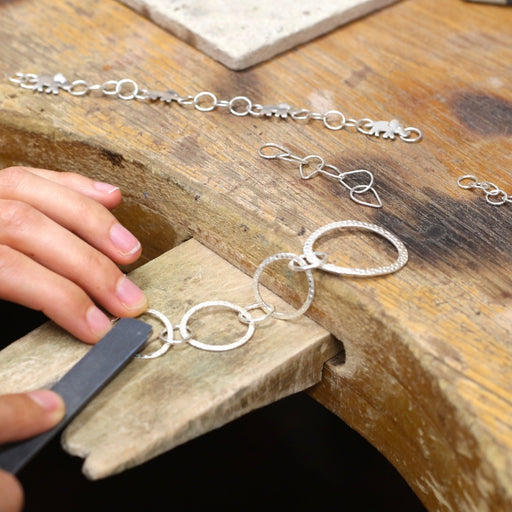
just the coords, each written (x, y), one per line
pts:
(207, 346)
(168, 342)
(311, 254)
(309, 276)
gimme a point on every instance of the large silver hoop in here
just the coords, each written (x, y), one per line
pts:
(311, 254)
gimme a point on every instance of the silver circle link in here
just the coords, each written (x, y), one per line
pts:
(406, 136)
(364, 126)
(500, 196)
(184, 331)
(401, 260)
(467, 177)
(302, 115)
(168, 341)
(337, 115)
(200, 96)
(130, 83)
(106, 87)
(259, 299)
(82, 85)
(240, 100)
(17, 78)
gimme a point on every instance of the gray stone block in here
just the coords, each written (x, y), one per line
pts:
(242, 33)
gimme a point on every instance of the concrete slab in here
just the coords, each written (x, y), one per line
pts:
(242, 33)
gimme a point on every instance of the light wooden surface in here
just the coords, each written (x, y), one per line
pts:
(157, 404)
(427, 377)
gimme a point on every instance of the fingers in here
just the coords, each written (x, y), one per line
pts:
(24, 415)
(26, 282)
(104, 193)
(73, 210)
(59, 250)
(11, 493)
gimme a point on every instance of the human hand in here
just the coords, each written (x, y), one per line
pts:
(24, 415)
(59, 246)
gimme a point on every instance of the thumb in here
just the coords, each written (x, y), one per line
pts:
(24, 415)
(11, 493)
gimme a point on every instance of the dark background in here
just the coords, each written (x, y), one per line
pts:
(293, 454)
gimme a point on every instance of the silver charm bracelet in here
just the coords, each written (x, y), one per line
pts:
(312, 165)
(306, 262)
(205, 101)
(493, 194)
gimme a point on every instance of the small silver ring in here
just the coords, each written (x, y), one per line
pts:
(496, 193)
(205, 94)
(78, 83)
(240, 99)
(331, 126)
(406, 136)
(120, 85)
(167, 342)
(106, 87)
(471, 185)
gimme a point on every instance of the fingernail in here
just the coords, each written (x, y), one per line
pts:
(130, 294)
(105, 187)
(98, 321)
(51, 402)
(123, 239)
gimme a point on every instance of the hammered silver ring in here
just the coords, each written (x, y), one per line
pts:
(311, 254)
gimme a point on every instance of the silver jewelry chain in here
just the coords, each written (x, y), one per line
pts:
(308, 261)
(493, 194)
(358, 182)
(205, 101)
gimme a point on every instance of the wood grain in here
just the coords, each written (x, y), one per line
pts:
(157, 404)
(428, 350)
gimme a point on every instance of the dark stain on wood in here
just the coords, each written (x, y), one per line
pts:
(483, 114)
(467, 234)
(116, 159)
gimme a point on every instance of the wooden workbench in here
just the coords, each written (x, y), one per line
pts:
(426, 374)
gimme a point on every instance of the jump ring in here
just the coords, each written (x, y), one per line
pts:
(167, 342)
(470, 177)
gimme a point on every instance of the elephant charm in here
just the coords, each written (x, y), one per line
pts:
(50, 84)
(167, 96)
(388, 129)
(282, 110)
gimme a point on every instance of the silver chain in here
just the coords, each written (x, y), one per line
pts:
(358, 182)
(306, 262)
(205, 101)
(493, 194)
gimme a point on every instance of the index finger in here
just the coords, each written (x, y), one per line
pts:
(73, 210)
(104, 193)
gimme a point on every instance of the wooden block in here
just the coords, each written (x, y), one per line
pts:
(157, 404)
(240, 34)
